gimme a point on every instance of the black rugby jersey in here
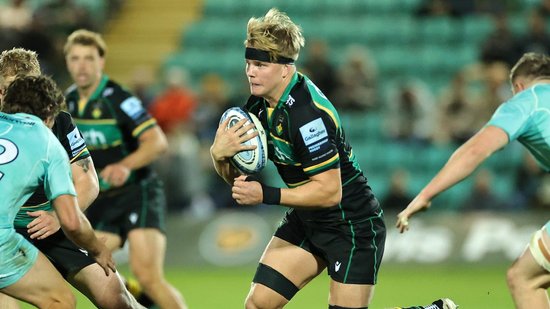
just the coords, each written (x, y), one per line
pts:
(111, 122)
(305, 137)
(72, 141)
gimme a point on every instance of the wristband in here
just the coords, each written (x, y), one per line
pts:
(272, 195)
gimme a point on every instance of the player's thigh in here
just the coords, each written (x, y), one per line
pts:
(40, 283)
(350, 295)
(112, 241)
(8, 302)
(147, 249)
(293, 262)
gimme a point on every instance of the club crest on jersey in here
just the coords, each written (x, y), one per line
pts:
(279, 125)
(96, 111)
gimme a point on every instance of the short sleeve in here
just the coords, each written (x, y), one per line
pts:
(58, 179)
(513, 116)
(135, 116)
(315, 141)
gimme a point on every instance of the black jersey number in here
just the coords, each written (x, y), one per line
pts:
(8, 152)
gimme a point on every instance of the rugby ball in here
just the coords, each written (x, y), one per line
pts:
(249, 161)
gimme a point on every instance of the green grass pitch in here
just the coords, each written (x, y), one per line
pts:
(471, 286)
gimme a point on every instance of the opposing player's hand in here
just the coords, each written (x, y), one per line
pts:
(229, 141)
(44, 224)
(418, 204)
(104, 258)
(115, 174)
(246, 192)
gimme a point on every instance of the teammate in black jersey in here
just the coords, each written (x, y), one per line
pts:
(124, 140)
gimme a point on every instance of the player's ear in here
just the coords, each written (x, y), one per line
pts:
(285, 71)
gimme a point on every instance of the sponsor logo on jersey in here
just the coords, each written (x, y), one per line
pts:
(132, 107)
(76, 141)
(337, 266)
(94, 137)
(313, 131)
(281, 155)
(290, 101)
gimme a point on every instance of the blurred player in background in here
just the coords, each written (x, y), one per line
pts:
(36, 220)
(526, 118)
(334, 220)
(33, 157)
(123, 140)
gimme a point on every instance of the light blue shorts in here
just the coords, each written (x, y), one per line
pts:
(17, 256)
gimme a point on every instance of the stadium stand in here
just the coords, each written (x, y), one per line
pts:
(436, 48)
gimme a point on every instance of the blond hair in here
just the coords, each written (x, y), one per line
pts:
(531, 66)
(86, 38)
(276, 34)
(19, 61)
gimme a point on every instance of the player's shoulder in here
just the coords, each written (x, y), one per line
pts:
(63, 119)
(115, 92)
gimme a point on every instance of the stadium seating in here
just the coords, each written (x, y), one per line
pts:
(432, 49)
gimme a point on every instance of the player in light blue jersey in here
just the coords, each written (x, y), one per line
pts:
(31, 156)
(526, 118)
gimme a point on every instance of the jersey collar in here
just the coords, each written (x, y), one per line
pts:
(100, 87)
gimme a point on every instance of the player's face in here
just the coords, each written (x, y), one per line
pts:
(85, 65)
(265, 78)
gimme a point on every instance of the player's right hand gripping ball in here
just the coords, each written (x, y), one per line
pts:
(249, 161)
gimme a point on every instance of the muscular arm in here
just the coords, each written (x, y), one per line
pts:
(78, 229)
(465, 160)
(461, 164)
(323, 190)
(85, 182)
(152, 143)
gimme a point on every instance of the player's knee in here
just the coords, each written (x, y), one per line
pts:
(256, 300)
(147, 277)
(513, 277)
(61, 299)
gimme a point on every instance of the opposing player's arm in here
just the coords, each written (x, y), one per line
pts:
(78, 229)
(466, 159)
(460, 165)
(85, 182)
(226, 144)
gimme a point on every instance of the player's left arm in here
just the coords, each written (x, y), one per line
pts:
(460, 165)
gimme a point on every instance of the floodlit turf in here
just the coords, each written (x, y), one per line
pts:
(471, 286)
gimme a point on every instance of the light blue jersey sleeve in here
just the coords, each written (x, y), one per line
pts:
(58, 179)
(513, 115)
(526, 118)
